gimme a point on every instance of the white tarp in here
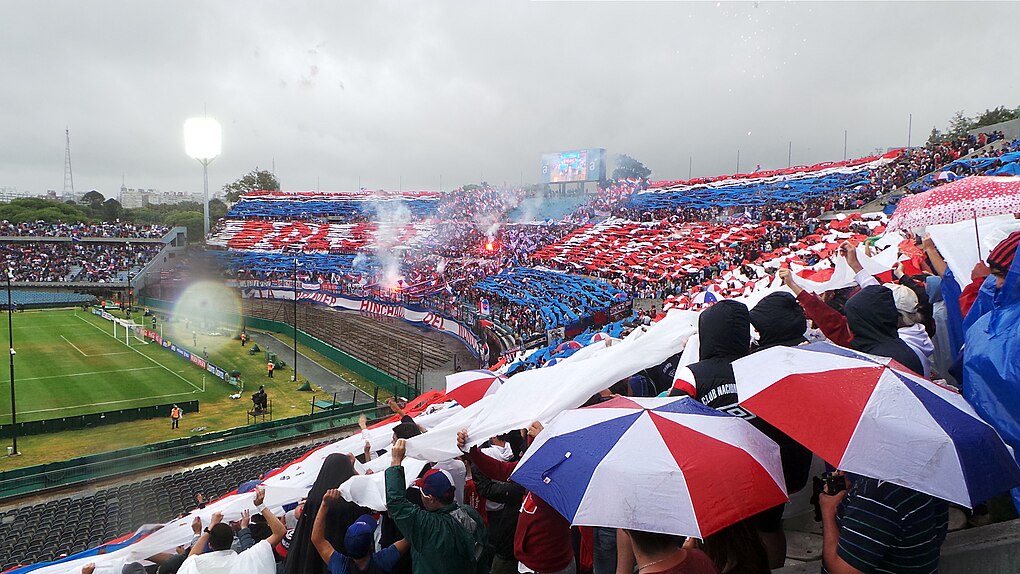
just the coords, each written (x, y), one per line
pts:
(958, 244)
(543, 393)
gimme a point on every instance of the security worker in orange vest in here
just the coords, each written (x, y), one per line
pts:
(270, 368)
(175, 416)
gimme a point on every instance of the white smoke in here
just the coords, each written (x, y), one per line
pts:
(391, 218)
(530, 208)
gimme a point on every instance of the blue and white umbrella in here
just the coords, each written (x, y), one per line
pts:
(668, 465)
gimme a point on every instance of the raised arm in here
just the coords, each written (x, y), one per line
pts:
(937, 262)
(278, 528)
(199, 546)
(325, 549)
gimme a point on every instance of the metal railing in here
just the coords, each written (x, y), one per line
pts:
(38, 478)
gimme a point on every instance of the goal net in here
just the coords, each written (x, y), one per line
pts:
(130, 331)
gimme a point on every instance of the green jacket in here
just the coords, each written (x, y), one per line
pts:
(445, 541)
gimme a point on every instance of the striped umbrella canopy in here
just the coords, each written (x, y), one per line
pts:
(872, 416)
(468, 387)
(670, 465)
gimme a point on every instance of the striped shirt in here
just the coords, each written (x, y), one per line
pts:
(884, 527)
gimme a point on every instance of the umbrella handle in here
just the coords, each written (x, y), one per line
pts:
(977, 236)
(545, 475)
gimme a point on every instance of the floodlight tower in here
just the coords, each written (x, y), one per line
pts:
(203, 140)
(68, 174)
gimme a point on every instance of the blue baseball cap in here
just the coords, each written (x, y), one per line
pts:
(360, 538)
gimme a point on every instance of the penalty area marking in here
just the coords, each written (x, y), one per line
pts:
(86, 374)
(108, 402)
(167, 369)
(73, 345)
(84, 354)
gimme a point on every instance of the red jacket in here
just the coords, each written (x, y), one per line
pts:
(969, 295)
(831, 322)
(542, 540)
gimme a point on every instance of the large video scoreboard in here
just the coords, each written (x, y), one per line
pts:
(574, 166)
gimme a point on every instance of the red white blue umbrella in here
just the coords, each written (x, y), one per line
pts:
(871, 416)
(468, 387)
(568, 346)
(668, 465)
(704, 298)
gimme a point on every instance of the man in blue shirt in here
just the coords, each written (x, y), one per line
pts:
(359, 542)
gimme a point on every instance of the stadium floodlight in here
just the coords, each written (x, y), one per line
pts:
(203, 141)
(10, 336)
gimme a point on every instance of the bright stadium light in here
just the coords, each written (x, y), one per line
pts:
(203, 141)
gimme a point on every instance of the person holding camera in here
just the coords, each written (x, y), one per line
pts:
(873, 525)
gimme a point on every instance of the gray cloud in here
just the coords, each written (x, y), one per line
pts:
(408, 92)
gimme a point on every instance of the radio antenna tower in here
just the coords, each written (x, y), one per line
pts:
(68, 174)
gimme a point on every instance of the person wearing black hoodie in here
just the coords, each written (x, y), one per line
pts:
(781, 322)
(872, 317)
(302, 556)
(724, 333)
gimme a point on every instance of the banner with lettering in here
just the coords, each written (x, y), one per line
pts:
(376, 309)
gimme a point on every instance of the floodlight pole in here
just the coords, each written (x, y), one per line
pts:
(295, 316)
(129, 293)
(10, 336)
(205, 195)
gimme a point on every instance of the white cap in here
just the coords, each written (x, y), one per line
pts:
(906, 302)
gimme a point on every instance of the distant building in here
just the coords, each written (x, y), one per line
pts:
(132, 198)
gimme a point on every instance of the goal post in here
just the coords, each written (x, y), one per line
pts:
(137, 332)
(131, 331)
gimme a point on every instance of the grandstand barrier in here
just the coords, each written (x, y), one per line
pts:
(374, 375)
(385, 381)
(327, 294)
(32, 479)
(95, 419)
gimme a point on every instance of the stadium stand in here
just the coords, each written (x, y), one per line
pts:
(59, 229)
(45, 530)
(399, 353)
(76, 261)
(778, 224)
(42, 299)
(349, 206)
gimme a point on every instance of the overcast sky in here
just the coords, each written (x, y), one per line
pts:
(403, 93)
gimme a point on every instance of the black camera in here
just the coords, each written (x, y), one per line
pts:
(828, 484)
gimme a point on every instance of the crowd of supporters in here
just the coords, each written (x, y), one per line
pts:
(58, 229)
(470, 515)
(55, 262)
(470, 244)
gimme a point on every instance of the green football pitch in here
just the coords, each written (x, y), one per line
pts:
(68, 362)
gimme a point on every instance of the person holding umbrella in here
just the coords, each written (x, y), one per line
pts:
(724, 333)
(663, 553)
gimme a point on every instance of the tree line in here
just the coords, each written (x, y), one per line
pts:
(960, 124)
(95, 207)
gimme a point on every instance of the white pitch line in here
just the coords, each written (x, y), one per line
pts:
(107, 402)
(19, 379)
(73, 345)
(103, 331)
